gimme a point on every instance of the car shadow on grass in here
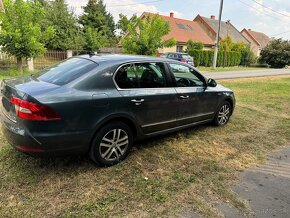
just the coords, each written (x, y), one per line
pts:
(23, 167)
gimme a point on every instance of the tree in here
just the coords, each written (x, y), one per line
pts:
(124, 22)
(94, 39)
(21, 34)
(247, 55)
(68, 34)
(276, 54)
(191, 45)
(226, 44)
(146, 36)
(96, 19)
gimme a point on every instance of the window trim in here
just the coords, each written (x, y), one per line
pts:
(197, 74)
(168, 76)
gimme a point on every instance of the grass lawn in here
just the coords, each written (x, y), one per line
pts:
(5, 74)
(189, 170)
(226, 69)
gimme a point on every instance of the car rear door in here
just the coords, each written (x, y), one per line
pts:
(195, 102)
(146, 92)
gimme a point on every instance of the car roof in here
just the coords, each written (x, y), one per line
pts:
(176, 53)
(118, 58)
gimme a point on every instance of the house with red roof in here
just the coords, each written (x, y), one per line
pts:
(183, 30)
(201, 29)
(258, 40)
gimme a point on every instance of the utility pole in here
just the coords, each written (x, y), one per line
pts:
(216, 46)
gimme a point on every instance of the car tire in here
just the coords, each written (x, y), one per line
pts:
(223, 114)
(111, 144)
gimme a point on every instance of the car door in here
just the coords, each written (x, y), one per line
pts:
(196, 102)
(144, 86)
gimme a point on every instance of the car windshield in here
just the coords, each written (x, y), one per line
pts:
(186, 56)
(67, 71)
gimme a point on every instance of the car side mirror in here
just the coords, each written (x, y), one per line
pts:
(211, 83)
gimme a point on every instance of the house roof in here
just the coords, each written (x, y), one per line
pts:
(184, 30)
(227, 29)
(261, 39)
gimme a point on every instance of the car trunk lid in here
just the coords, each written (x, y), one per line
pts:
(21, 88)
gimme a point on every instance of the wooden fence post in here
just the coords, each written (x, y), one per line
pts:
(69, 53)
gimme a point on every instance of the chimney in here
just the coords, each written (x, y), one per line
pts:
(212, 17)
(171, 14)
(249, 29)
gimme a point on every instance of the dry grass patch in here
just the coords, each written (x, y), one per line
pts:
(191, 169)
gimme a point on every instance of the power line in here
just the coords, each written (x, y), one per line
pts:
(148, 2)
(270, 8)
(280, 33)
(263, 12)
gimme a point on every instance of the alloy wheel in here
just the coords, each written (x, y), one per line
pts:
(114, 144)
(224, 114)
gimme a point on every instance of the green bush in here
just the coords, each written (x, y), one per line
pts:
(276, 53)
(225, 59)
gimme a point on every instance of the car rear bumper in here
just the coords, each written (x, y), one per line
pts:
(53, 144)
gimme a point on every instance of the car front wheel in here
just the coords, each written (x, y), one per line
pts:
(223, 114)
(111, 144)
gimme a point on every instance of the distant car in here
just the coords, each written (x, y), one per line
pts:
(101, 104)
(182, 57)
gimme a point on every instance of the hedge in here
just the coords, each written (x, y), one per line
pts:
(225, 59)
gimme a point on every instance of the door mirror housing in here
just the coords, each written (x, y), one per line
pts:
(211, 83)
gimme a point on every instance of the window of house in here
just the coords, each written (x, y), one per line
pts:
(181, 26)
(179, 48)
(185, 76)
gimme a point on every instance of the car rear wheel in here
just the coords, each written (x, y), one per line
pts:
(111, 144)
(223, 114)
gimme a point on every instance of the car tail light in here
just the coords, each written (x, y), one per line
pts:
(183, 60)
(31, 111)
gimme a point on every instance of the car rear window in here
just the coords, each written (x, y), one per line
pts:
(67, 71)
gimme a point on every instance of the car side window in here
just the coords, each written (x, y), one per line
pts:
(126, 77)
(170, 55)
(151, 75)
(185, 76)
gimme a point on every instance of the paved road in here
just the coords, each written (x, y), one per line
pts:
(266, 188)
(247, 73)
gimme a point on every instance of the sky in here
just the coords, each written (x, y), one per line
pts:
(273, 20)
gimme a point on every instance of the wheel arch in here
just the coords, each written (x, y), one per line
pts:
(118, 118)
(231, 103)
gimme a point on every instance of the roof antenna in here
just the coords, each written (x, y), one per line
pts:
(91, 53)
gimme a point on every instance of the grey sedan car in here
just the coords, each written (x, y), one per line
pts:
(100, 104)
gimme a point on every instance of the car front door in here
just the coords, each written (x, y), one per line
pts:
(196, 102)
(144, 86)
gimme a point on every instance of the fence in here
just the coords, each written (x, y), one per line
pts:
(7, 62)
(49, 58)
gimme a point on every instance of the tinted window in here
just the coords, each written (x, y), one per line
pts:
(185, 76)
(126, 77)
(67, 71)
(151, 75)
(171, 56)
(141, 75)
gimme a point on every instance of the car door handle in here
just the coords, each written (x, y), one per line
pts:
(184, 96)
(137, 101)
